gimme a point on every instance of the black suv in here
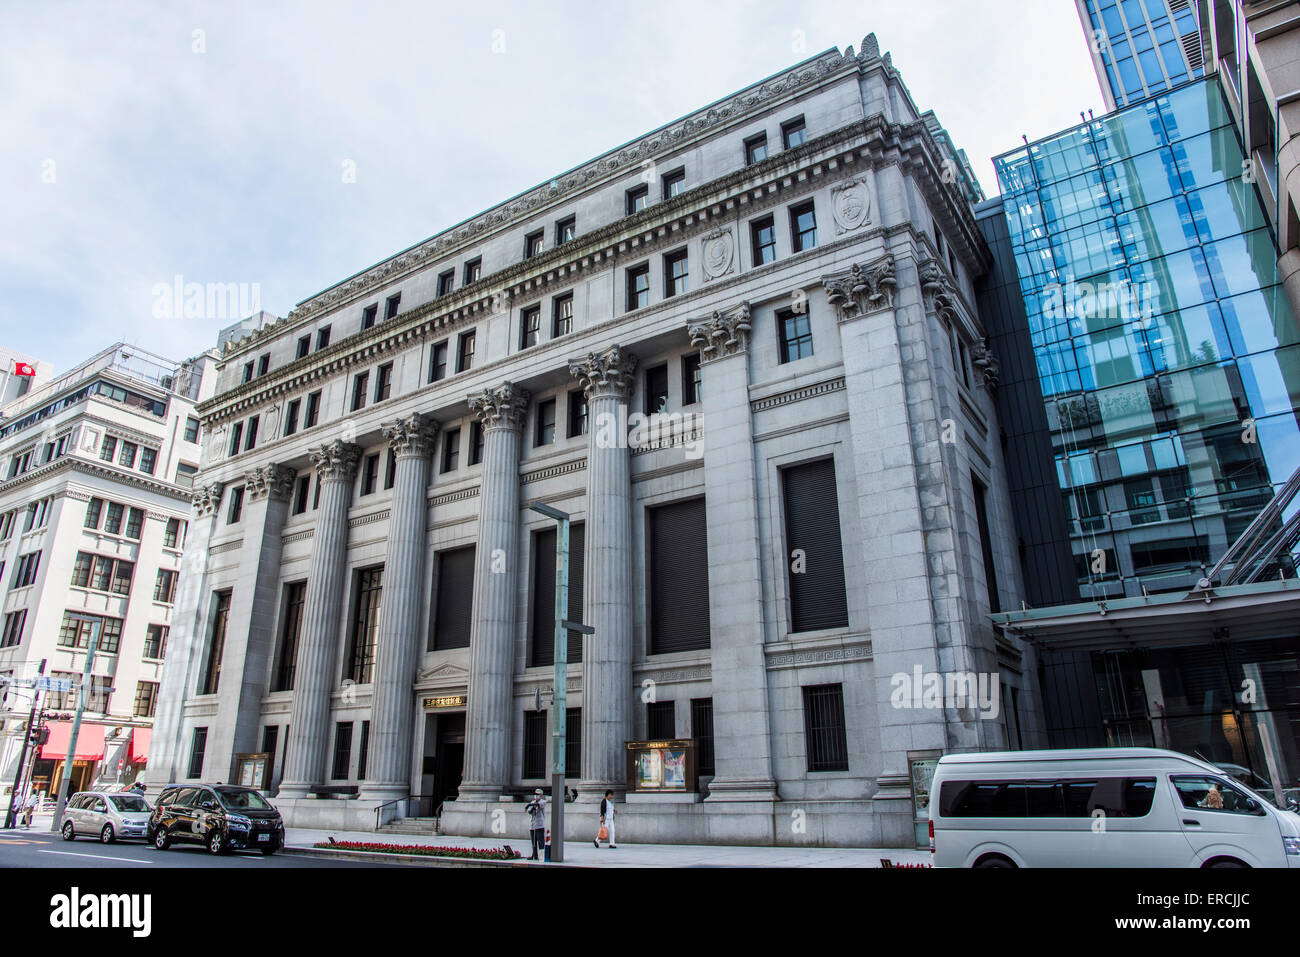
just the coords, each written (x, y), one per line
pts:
(223, 817)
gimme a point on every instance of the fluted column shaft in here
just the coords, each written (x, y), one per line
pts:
(314, 676)
(607, 654)
(397, 645)
(496, 579)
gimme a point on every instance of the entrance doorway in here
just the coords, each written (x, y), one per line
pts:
(444, 757)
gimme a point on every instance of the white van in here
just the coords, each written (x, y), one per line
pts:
(1102, 807)
(105, 816)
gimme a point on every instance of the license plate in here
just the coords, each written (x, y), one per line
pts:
(264, 837)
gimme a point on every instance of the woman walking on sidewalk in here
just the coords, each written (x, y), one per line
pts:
(606, 821)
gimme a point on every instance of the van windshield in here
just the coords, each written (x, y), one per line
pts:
(240, 798)
(129, 802)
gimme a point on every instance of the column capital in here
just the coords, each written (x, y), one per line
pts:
(500, 408)
(413, 434)
(937, 291)
(270, 481)
(605, 373)
(207, 499)
(335, 460)
(725, 333)
(861, 289)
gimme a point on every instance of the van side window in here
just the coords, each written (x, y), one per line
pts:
(1211, 794)
(1115, 797)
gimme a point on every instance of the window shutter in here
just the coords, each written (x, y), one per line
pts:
(455, 598)
(542, 623)
(812, 526)
(679, 577)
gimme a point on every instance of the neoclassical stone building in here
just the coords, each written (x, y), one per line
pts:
(741, 353)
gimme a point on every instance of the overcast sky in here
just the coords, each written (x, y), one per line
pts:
(134, 150)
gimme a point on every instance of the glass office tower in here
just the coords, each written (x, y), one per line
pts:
(1167, 356)
(1141, 48)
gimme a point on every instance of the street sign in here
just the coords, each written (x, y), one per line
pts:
(53, 684)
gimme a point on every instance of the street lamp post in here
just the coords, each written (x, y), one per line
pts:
(559, 694)
(96, 624)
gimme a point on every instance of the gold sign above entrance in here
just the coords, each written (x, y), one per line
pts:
(444, 701)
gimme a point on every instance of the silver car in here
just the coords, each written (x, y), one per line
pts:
(107, 817)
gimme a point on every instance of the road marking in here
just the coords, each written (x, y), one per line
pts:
(99, 857)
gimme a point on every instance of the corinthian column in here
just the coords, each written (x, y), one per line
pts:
(397, 645)
(336, 465)
(488, 711)
(606, 377)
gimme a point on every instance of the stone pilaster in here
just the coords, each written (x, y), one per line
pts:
(397, 645)
(496, 578)
(181, 664)
(606, 377)
(741, 706)
(250, 628)
(317, 664)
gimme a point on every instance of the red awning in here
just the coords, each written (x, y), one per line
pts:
(90, 741)
(140, 745)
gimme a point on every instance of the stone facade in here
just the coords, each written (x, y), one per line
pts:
(550, 409)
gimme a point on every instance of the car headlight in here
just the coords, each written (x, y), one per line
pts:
(239, 821)
(1291, 845)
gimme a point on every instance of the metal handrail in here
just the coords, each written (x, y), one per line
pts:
(379, 822)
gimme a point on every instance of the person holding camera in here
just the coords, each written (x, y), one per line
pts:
(536, 809)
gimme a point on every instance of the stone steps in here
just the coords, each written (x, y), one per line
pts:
(411, 825)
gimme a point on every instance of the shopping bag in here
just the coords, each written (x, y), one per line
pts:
(603, 833)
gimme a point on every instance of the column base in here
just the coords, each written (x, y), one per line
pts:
(294, 791)
(736, 790)
(381, 793)
(593, 792)
(477, 794)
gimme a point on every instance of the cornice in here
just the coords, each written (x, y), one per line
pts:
(69, 463)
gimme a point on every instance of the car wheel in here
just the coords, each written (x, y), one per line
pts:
(216, 842)
(106, 836)
(161, 840)
(69, 832)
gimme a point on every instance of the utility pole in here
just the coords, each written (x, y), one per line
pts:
(96, 624)
(11, 815)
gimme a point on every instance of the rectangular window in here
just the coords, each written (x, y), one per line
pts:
(236, 509)
(369, 473)
(544, 433)
(155, 642)
(216, 643)
(25, 570)
(565, 230)
(755, 149)
(13, 628)
(342, 750)
(986, 543)
(661, 720)
(148, 460)
(473, 271)
(383, 382)
(108, 449)
(313, 410)
(322, 337)
(455, 601)
(390, 469)
(369, 315)
(236, 437)
(191, 429)
(465, 352)
(438, 362)
(691, 379)
(93, 509)
(451, 450)
(126, 457)
(134, 523)
(638, 198)
(656, 389)
(794, 335)
(534, 761)
(476, 442)
(676, 273)
(198, 745)
(446, 282)
(702, 732)
(81, 569)
(762, 235)
(573, 744)
(164, 589)
(815, 558)
(76, 633)
(561, 315)
(146, 699)
(365, 624)
(291, 416)
(248, 371)
(674, 183)
(360, 383)
(251, 441)
(542, 619)
(264, 364)
(286, 653)
(304, 347)
(577, 412)
(534, 243)
(793, 133)
(363, 750)
(638, 287)
(301, 488)
(113, 520)
(823, 727)
(530, 327)
(678, 577)
(174, 533)
(391, 305)
(803, 227)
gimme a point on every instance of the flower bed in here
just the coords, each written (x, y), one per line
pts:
(506, 853)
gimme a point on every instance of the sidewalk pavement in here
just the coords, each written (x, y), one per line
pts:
(630, 854)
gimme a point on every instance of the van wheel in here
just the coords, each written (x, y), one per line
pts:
(994, 860)
(1225, 862)
(69, 832)
(216, 841)
(106, 836)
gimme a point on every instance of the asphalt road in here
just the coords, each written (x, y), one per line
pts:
(40, 848)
